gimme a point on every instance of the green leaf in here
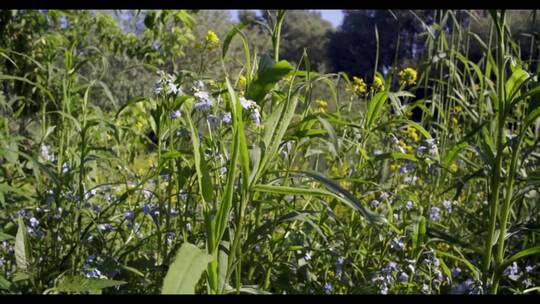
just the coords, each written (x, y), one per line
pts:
(346, 197)
(517, 256)
(203, 177)
(223, 256)
(418, 235)
(267, 78)
(452, 154)
(186, 270)
(4, 284)
(5, 236)
(22, 248)
(419, 128)
(395, 156)
(374, 109)
(80, 284)
(472, 268)
(227, 41)
(513, 84)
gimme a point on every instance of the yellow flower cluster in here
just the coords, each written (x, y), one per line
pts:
(323, 105)
(394, 167)
(212, 40)
(453, 168)
(408, 76)
(405, 146)
(359, 86)
(378, 84)
(413, 135)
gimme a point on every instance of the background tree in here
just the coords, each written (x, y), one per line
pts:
(353, 47)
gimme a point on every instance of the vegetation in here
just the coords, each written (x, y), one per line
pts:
(170, 153)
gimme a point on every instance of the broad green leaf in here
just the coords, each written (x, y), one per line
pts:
(23, 256)
(267, 79)
(514, 83)
(80, 284)
(4, 284)
(222, 264)
(186, 270)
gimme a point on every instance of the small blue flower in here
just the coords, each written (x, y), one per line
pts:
(447, 205)
(203, 105)
(328, 288)
(512, 272)
(96, 207)
(455, 272)
(95, 273)
(246, 103)
(226, 118)
(421, 149)
(129, 215)
(91, 259)
(175, 114)
(213, 120)
(397, 243)
(64, 22)
(435, 213)
(408, 167)
(105, 227)
(34, 222)
(403, 277)
(409, 205)
(256, 116)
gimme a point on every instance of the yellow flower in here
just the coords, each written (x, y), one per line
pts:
(378, 84)
(394, 167)
(242, 81)
(212, 40)
(323, 105)
(139, 125)
(443, 246)
(455, 120)
(408, 76)
(457, 109)
(414, 137)
(453, 168)
(359, 86)
(412, 134)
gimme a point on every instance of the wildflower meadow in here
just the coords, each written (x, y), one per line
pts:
(182, 157)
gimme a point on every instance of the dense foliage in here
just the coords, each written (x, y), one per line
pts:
(188, 154)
